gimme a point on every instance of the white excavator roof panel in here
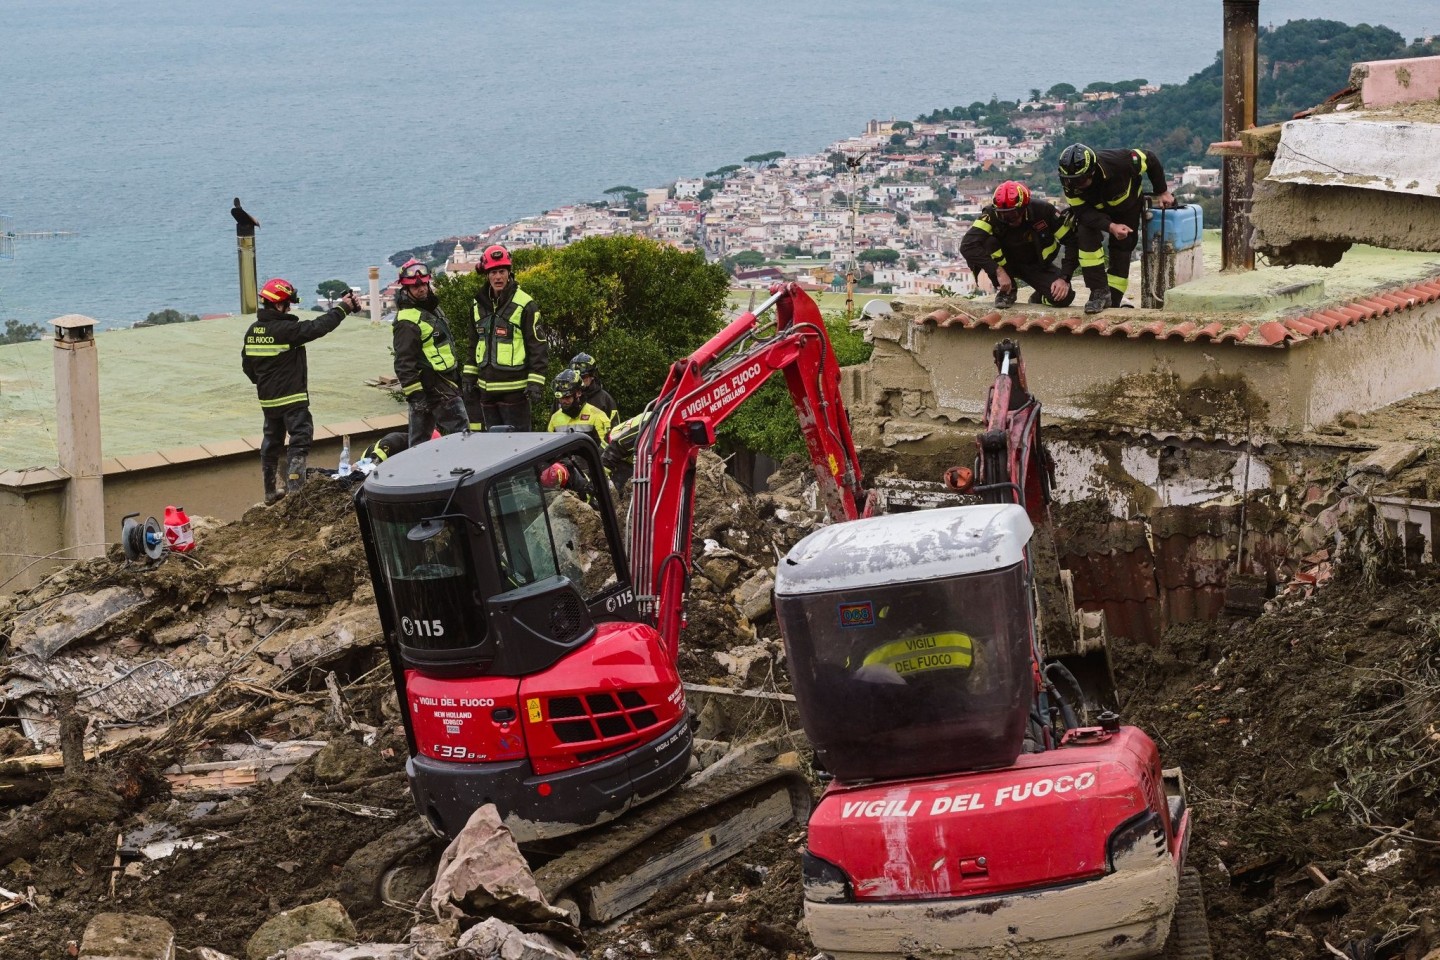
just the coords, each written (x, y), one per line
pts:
(905, 547)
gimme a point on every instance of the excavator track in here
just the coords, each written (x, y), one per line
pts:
(728, 814)
(1189, 930)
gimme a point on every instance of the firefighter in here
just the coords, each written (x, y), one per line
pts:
(573, 413)
(1016, 238)
(509, 353)
(595, 394)
(273, 357)
(1103, 190)
(425, 362)
(619, 453)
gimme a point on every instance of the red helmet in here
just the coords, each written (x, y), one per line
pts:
(1011, 195)
(279, 291)
(413, 273)
(494, 257)
(554, 476)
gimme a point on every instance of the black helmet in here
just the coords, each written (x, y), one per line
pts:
(567, 381)
(584, 364)
(1077, 162)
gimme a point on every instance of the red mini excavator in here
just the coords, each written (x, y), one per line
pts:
(970, 814)
(536, 663)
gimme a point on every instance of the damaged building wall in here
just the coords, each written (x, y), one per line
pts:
(1300, 223)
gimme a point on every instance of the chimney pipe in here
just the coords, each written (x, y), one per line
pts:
(245, 252)
(1240, 65)
(374, 294)
(77, 439)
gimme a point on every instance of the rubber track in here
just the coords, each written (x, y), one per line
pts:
(614, 840)
(1189, 930)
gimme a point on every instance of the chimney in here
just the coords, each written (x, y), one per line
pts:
(1242, 37)
(77, 419)
(374, 294)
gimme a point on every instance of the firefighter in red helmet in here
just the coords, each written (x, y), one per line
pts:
(1103, 188)
(273, 357)
(425, 358)
(509, 354)
(1016, 239)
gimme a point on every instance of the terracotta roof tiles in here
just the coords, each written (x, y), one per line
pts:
(1288, 328)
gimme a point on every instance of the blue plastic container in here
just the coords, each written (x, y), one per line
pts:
(1180, 226)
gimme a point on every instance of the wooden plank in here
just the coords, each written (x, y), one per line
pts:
(607, 900)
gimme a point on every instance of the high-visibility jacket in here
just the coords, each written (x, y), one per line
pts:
(509, 351)
(424, 349)
(273, 354)
(1041, 233)
(1114, 191)
(589, 419)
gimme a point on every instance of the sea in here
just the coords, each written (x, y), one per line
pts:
(354, 129)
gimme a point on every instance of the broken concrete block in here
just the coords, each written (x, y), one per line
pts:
(1388, 460)
(51, 627)
(127, 936)
(326, 920)
(496, 938)
(754, 597)
(721, 570)
(339, 950)
(429, 941)
(749, 664)
(206, 953)
(482, 871)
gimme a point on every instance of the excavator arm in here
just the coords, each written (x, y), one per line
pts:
(699, 393)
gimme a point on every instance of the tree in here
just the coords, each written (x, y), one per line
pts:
(760, 159)
(1061, 91)
(164, 317)
(17, 332)
(912, 265)
(897, 139)
(1034, 93)
(902, 125)
(880, 255)
(746, 258)
(623, 189)
(331, 290)
(722, 173)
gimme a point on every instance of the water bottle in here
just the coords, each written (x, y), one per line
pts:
(344, 470)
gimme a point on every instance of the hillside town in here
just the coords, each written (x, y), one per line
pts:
(893, 202)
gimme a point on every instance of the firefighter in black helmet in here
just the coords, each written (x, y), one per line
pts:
(1103, 190)
(595, 394)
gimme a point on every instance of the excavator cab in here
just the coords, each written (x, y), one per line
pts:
(509, 619)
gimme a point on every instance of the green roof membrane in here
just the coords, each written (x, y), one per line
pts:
(180, 385)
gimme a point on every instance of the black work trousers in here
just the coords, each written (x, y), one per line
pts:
(1110, 266)
(294, 420)
(510, 409)
(436, 411)
(1040, 276)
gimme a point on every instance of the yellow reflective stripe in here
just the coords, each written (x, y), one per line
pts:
(536, 378)
(1119, 283)
(998, 255)
(286, 401)
(497, 385)
(983, 225)
(1073, 201)
(1140, 155)
(509, 352)
(412, 388)
(1120, 199)
(1063, 231)
(477, 427)
(265, 350)
(440, 357)
(1092, 258)
(1049, 251)
(470, 368)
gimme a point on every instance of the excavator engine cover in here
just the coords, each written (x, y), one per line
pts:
(909, 637)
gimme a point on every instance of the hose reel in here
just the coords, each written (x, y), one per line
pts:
(142, 540)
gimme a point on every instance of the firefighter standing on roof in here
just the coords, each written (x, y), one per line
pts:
(1103, 190)
(425, 362)
(1016, 238)
(273, 357)
(510, 354)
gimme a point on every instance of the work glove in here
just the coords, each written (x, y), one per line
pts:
(535, 393)
(468, 385)
(351, 303)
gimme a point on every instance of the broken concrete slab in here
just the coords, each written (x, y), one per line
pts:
(340, 950)
(496, 938)
(1350, 150)
(51, 627)
(127, 936)
(1388, 459)
(755, 597)
(483, 872)
(325, 920)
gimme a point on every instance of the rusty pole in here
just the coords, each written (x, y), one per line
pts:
(1242, 38)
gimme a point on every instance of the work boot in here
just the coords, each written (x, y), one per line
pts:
(1099, 300)
(1037, 296)
(295, 475)
(1004, 299)
(270, 472)
(1116, 296)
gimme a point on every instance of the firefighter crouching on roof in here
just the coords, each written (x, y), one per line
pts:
(273, 357)
(425, 362)
(1103, 190)
(1016, 238)
(595, 393)
(510, 356)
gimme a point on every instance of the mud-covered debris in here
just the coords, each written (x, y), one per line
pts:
(755, 597)
(51, 627)
(325, 920)
(127, 936)
(243, 765)
(1388, 459)
(482, 872)
(493, 937)
(339, 950)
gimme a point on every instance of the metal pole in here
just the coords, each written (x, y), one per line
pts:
(374, 294)
(245, 251)
(1242, 37)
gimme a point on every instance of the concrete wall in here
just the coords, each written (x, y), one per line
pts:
(1367, 365)
(222, 484)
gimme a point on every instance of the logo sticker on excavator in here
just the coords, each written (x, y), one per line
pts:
(532, 707)
(860, 614)
(930, 651)
(834, 466)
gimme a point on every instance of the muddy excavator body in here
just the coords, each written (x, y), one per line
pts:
(975, 811)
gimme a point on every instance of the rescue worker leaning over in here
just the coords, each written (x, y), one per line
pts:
(510, 355)
(1016, 238)
(1103, 190)
(618, 456)
(595, 393)
(273, 357)
(425, 362)
(573, 414)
